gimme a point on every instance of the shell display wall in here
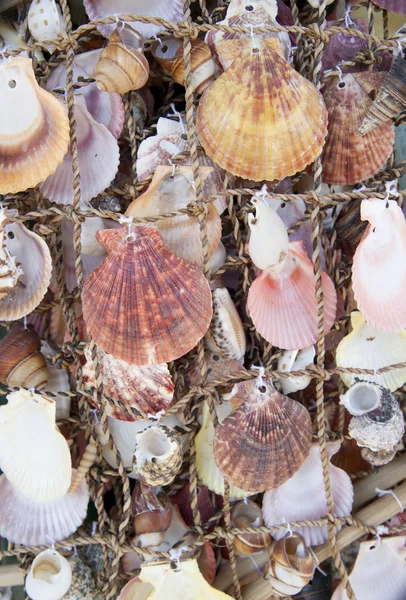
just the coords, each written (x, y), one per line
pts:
(202, 299)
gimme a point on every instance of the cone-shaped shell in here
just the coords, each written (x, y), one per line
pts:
(291, 567)
(368, 348)
(50, 576)
(158, 455)
(269, 242)
(379, 267)
(34, 128)
(169, 192)
(264, 442)
(379, 571)
(226, 334)
(248, 514)
(121, 68)
(261, 119)
(130, 387)
(21, 362)
(303, 497)
(24, 521)
(395, 6)
(86, 462)
(34, 455)
(153, 515)
(44, 20)
(349, 157)
(155, 306)
(283, 306)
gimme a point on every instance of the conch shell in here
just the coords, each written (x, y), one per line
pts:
(158, 455)
(21, 362)
(155, 305)
(291, 567)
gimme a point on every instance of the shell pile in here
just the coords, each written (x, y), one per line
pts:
(202, 298)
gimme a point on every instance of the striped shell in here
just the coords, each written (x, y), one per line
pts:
(291, 566)
(158, 455)
(21, 362)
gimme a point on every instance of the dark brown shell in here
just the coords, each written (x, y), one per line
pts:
(143, 304)
(264, 442)
(21, 362)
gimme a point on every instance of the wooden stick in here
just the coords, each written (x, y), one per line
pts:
(10, 575)
(385, 478)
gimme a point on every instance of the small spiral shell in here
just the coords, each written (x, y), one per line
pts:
(291, 566)
(21, 362)
(86, 462)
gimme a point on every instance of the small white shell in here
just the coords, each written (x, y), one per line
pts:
(44, 20)
(269, 242)
(295, 360)
(50, 576)
(362, 397)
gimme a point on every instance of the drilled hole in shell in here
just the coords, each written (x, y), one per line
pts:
(216, 357)
(249, 7)
(255, 50)
(262, 389)
(164, 48)
(12, 83)
(130, 238)
(341, 85)
(10, 235)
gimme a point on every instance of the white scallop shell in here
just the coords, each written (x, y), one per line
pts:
(50, 576)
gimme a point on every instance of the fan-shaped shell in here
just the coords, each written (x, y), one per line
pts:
(264, 442)
(155, 306)
(303, 497)
(44, 20)
(283, 306)
(24, 521)
(349, 157)
(368, 348)
(261, 119)
(21, 362)
(34, 455)
(34, 128)
(168, 193)
(344, 46)
(97, 168)
(147, 388)
(395, 6)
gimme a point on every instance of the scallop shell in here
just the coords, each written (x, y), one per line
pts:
(344, 46)
(121, 67)
(97, 168)
(170, 192)
(283, 306)
(45, 21)
(303, 497)
(379, 571)
(49, 577)
(252, 131)
(183, 500)
(90, 227)
(147, 388)
(155, 306)
(226, 334)
(171, 10)
(269, 242)
(153, 515)
(291, 567)
(34, 455)
(295, 360)
(24, 521)
(158, 455)
(21, 362)
(368, 348)
(34, 128)
(394, 6)
(248, 514)
(349, 157)
(264, 442)
(29, 251)
(379, 267)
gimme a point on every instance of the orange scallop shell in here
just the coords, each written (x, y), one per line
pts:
(144, 304)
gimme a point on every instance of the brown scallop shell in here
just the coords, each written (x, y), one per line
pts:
(265, 441)
(349, 157)
(144, 304)
(34, 128)
(21, 362)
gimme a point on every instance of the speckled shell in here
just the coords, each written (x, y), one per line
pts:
(44, 20)
(83, 584)
(349, 157)
(226, 334)
(158, 455)
(264, 442)
(34, 128)
(21, 362)
(261, 119)
(155, 305)
(147, 388)
(395, 6)
(379, 458)
(291, 566)
(248, 514)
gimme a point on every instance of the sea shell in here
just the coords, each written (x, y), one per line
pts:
(24, 521)
(97, 168)
(226, 334)
(106, 108)
(171, 10)
(291, 567)
(349, 157)
(269, 242)
(153, 515)
(240, 116)
(379, 271)
(90, 227)
(265, 441)
(362, 397)
(122, 65)
(368, 348)
(147, 388)
(379, 458)
(50, 576)
(27, 256)
(83, 584)
(344, 46)
(21, 362)
(349, 226)
(295, 360)
(380, 429)
(34, 128)
(34, 456)
(379, 571)
(303, 497)
(283, 306)
(45, 20)
(155, 306)
(170, 192)
(248, 514)
(395, 6)
(158, 455)
(86, 462)
(183, 500)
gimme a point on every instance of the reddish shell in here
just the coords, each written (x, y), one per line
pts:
(183, 499)
(143, 304)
